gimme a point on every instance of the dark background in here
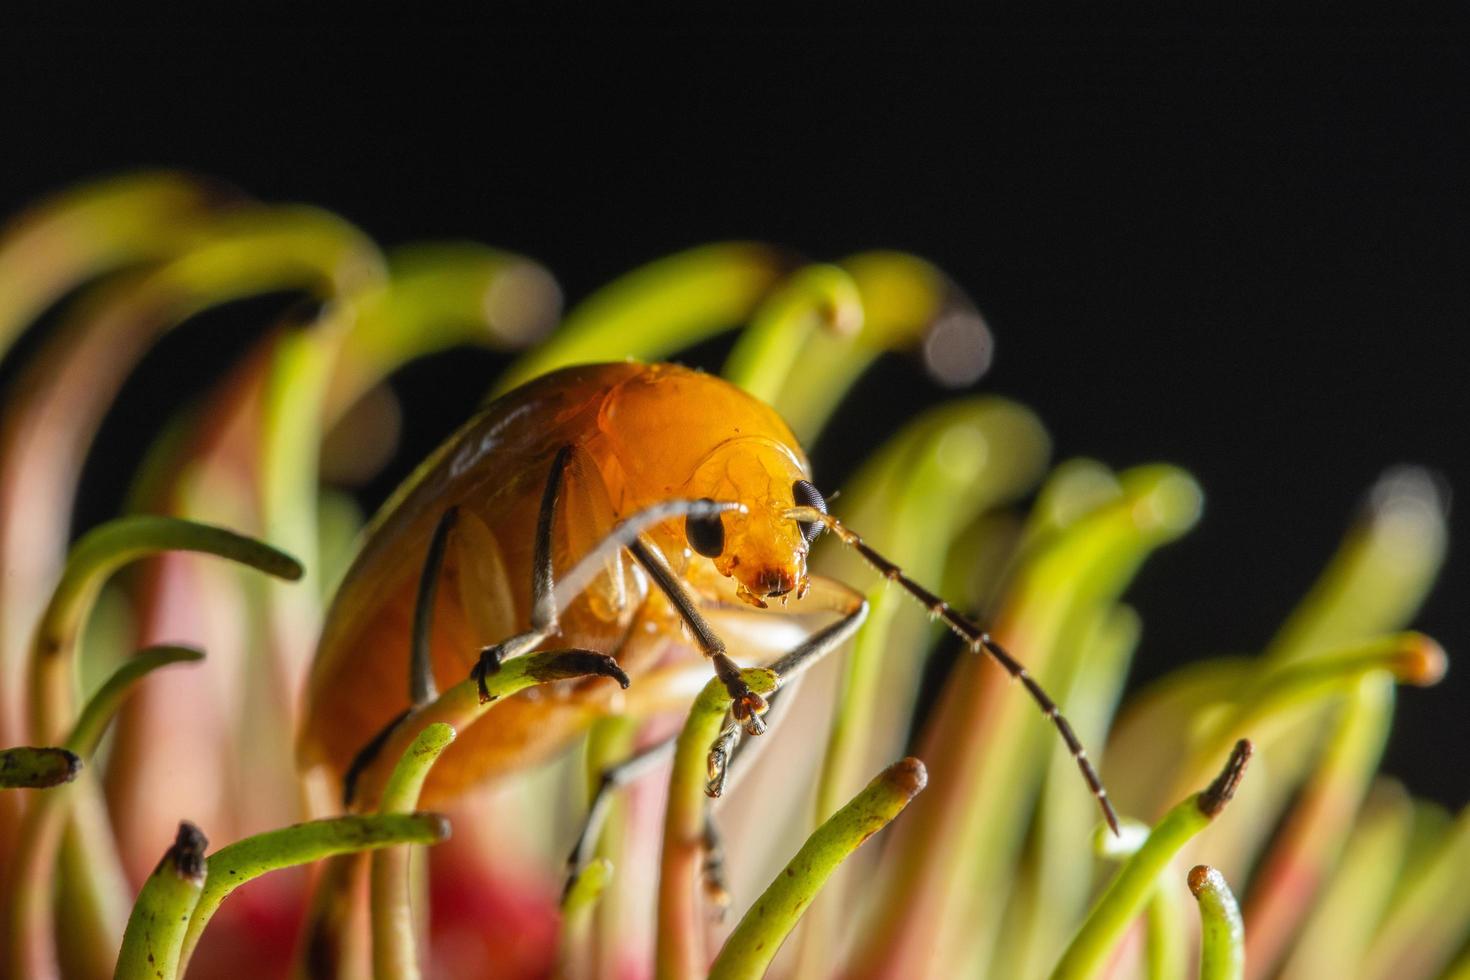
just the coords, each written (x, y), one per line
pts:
(1243, 252)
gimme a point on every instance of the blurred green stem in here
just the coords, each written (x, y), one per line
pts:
(1427, 923)
(96, 557)
(1348, 911)
(37, 768)
(1274, 698)
(87, 231)
(575, 955)
(766, 354)
(1308, 846)
(1379, 575)
(1062, 828)
(1167, 931)
(440, 295)
(901, 297)
(658, 309)
(935, 477)
(954, 858)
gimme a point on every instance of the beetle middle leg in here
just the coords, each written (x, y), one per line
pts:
(825, 595)
(543, 586)
(610, 780)
(421, 689)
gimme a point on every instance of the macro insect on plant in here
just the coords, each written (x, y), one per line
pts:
(597, 459)
(610, 518)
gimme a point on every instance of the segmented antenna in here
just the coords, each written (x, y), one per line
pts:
(976, 639)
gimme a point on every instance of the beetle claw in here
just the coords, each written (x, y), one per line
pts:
(717, 763)
(489, 663)
(747, 709)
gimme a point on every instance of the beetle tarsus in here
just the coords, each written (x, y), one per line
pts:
(712, 873)
(747, 709)
(717, 763)
(489, 663)
(612, 778)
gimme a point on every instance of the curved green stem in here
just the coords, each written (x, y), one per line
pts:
(92, 723)
(1272, 700)
(765, 926)
(440, 295)
(96, 557)
(1380, 573)
(55, 411)
(92, 561)
(1222, 944)
(1430, 916)
(1131, 887)
(658, 309)
(395, 948)
(24, 767)
(818, 297)
(679, 951)
(1165, 951)
(241, 862)
(953, 861)
(155, 935)
(31, 931)
(904, 299)
(88, 230)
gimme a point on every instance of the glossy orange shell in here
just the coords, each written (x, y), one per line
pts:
(641, 433)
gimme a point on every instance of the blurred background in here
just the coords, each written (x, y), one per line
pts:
(1245, 253)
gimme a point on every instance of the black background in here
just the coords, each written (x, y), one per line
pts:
(1242, 252)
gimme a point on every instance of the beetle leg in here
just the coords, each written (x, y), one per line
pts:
(852, 609)
(612, 779)
(747, 705)
(543, 585)
(712, 871)
(366, 755)
(615, 778)
(497, 653)
(421, 689)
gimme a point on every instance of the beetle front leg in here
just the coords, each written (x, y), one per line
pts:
(746, 705)
(852, 609)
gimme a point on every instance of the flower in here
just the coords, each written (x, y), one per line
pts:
(996, 862)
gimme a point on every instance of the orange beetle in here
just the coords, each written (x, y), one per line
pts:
(568, 459)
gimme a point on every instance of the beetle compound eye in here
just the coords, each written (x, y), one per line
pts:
(706, 534)
(807, 495)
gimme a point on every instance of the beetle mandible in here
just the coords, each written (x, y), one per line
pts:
(570, 464)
